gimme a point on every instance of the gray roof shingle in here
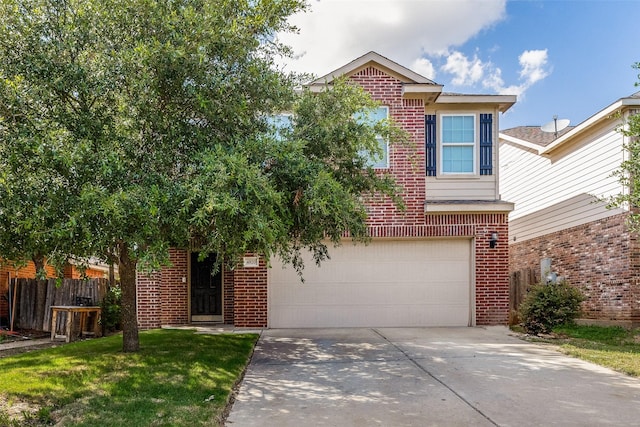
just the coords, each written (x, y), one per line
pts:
(534, 134)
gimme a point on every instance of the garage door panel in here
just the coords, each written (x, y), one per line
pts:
(387, 283)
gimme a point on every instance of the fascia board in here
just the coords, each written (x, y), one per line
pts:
(521, 142)
(504, 102)
(591, 121)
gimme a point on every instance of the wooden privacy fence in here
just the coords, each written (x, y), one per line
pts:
(33, 299)
(519, 284)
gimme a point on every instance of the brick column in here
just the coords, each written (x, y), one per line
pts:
(250, 296)
(148, 300)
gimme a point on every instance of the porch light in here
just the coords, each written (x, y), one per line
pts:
(494, 240)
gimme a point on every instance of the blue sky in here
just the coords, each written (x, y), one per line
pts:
(565, 58)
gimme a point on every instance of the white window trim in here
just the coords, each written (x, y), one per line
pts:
(441, 145)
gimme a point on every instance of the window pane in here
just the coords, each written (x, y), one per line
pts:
(382, 162)
(373, 117)
(280, 123)
(456, 159)
(378, 114)
(458, 129)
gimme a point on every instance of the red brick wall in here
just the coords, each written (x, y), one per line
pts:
(601, 258)
(410, 175)
(250, 296)
(228, 296)
(174, 292)
(149, 303)
(72, 272)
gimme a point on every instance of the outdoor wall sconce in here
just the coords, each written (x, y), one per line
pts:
(494, 240)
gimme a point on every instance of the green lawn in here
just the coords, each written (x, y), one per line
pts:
(613, 347)
(179, 378)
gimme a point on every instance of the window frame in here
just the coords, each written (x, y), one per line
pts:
(443, 144)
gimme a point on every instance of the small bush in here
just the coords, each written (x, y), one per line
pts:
(111, 313)
(547, 306)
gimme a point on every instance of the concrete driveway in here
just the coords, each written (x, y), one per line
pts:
(425, 377)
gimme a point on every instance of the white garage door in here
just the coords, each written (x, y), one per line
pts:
(384, 284)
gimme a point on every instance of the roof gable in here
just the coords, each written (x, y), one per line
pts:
(372, 58)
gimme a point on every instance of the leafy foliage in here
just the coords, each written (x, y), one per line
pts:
(111, 314)
(130, 126)
(629, 171)
(550, 305)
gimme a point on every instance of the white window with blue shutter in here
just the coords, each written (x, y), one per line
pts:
(463, 147)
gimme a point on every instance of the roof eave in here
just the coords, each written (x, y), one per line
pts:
(503, 102)
(444, 206)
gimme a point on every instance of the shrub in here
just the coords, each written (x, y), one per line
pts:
(547, 306)
(111, 313)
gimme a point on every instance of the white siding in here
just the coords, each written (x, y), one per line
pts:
(572, 212)
(475, 188)
(557, 192)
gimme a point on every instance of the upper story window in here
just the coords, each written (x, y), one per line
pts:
(458, 144)
(372, 117)
(455, 145)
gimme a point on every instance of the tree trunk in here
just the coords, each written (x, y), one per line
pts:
(127, 269)
(37, 320)
(39, 263)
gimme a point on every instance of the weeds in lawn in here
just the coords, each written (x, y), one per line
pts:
(613, 347)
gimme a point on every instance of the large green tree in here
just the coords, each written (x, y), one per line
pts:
(130, 126)
(629, 171)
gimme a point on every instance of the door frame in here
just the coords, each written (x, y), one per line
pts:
(204, 319)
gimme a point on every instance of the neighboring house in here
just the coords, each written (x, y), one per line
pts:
(432, 265)
(557, 185)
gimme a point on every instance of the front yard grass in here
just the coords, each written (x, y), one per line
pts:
(178, 378)
(614, 347)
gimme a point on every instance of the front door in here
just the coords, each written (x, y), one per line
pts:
(206, 290)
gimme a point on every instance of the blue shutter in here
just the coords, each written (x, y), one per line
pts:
(486, 142)
(430, 143)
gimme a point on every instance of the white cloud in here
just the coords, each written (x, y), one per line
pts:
(424, 67)
(422, 35)
(469, 72)
(533, 64)
(334, 32)
(465, 72)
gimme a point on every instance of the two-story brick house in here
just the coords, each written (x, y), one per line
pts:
(441, 262)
